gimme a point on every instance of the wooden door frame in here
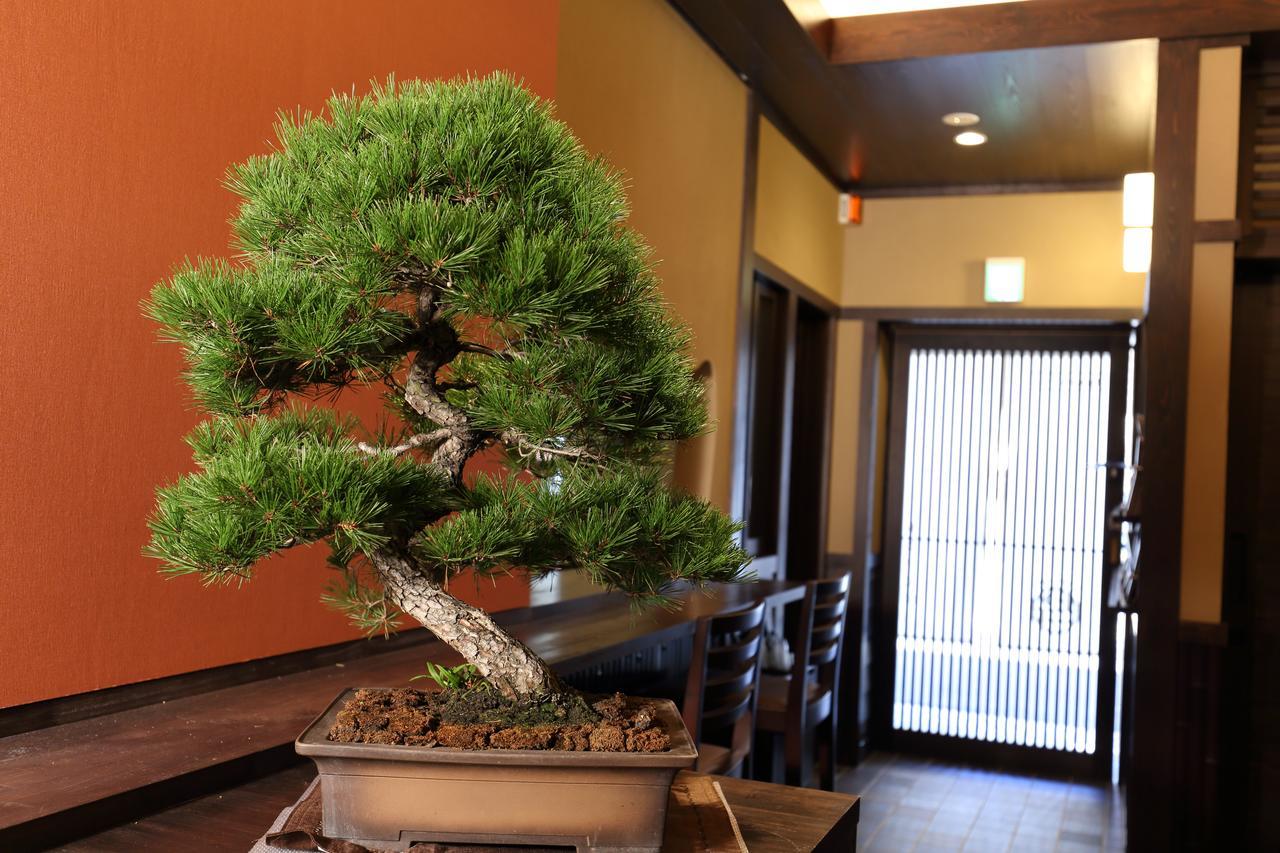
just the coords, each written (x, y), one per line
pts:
(770, 566)
(1094, 338)
(867, 561)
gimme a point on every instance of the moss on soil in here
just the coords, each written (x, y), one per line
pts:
(482, 704)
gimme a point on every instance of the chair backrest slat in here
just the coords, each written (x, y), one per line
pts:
(720, 688)
(737, 621)
(735, 655)
(826, 611)
(726, 716)
(825, 633)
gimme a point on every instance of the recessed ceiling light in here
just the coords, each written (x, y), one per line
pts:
(853, 8)
(960, 119)
(970, 137)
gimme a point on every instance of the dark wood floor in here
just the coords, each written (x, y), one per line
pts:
(913, 804)
(225, 821)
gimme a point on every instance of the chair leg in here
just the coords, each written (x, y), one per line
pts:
(795, 775)
(827, 736)
(799, 757)
(766, 757)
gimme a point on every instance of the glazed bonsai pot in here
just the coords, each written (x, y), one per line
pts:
(390, 796)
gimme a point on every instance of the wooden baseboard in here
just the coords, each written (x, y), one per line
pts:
(109, 700)
(1214, 634)
(837, 564)
(1202, 650)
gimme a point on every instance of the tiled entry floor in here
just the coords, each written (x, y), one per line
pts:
(914, 804)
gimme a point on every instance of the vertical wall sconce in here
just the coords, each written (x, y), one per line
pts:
(1139, 207)
(1137, 249)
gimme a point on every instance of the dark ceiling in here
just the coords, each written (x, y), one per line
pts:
(1079, 115)
(1076, 114)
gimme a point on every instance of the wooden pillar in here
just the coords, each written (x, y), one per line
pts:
(746, 296)
(855, 679)
(1163, 382)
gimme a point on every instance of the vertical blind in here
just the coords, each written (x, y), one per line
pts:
(1001, 560)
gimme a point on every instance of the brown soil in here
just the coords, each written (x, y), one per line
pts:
(478, 719)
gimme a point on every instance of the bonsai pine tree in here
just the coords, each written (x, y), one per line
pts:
(454, 244)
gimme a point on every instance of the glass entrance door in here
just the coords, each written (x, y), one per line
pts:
(998, 490)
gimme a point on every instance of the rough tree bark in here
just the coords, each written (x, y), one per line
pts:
(505, 662)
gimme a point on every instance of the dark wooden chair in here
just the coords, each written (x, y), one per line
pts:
(722, 687)
(792, 706)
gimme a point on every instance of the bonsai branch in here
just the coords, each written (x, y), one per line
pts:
(424, 393)
(481, 349)
(541, 451)
(422, 439)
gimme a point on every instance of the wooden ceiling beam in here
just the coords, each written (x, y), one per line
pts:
(1039, 23)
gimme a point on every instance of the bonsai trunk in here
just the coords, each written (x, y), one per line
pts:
(505, 662)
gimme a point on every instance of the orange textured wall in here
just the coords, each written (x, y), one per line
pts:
(117, 122)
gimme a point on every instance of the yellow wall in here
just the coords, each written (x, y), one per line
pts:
(1209, 368)
(640, 87)
(796, 225)
(929, 252)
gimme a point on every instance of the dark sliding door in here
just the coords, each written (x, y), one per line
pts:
(810, 443)
(769, 425)
(787, 417)
(997, 644)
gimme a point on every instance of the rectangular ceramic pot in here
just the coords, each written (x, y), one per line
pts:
(389, 796)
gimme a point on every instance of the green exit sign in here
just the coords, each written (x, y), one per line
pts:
(1004, 279)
